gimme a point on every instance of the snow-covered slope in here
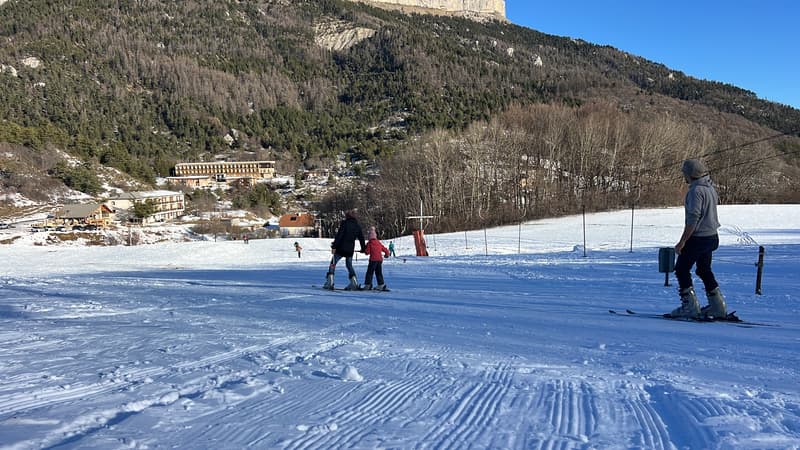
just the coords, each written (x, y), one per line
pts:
(498, 340)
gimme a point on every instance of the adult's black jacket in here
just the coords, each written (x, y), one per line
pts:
(345, 242)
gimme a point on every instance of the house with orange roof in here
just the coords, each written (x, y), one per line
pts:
(297, 225)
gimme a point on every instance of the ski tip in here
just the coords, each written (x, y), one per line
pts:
(324, 288)
(732, 317)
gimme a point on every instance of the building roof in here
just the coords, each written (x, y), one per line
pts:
(80, 210)
(144, 194)
(191, 177)
(217, 163)
(302, 220)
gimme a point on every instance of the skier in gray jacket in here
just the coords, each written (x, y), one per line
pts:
(697, 243)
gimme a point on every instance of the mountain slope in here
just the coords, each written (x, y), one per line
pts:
(138, 85)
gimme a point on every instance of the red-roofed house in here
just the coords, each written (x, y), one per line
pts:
(297, 225)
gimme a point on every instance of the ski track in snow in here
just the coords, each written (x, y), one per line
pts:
(561, 413)
(466, 352)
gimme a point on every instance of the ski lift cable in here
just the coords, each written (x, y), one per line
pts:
(723, 168)
(731, 148)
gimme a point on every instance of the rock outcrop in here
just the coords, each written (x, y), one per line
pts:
(8, 69)
(339, 35)
(474, 9)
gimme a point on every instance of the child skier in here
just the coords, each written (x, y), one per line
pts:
(376, 251)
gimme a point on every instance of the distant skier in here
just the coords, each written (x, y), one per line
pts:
(298, 248)
(391, 249)
(343, 246)
(375, 250)
(697, 243)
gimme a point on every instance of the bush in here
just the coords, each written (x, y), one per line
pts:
(81, 178)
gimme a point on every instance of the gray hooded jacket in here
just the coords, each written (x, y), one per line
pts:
(701, 207)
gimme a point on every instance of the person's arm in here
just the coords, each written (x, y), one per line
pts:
(687, 233)
(693, 211)
(361, 240)
(339, 235)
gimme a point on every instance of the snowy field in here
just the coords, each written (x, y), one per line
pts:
(499, 340)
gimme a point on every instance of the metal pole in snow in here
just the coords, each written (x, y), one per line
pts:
(759, 272)
(420, 216)
(584, 231)
(633, 206)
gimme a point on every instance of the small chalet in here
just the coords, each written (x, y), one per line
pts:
(82, 214)
(297, 225)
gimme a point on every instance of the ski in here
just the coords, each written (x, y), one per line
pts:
(628, 312)
(349, 290)
(731, 318)
(331, 290)
(377, 290)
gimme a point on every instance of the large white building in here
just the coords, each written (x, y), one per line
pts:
(168, 204)
(223, 170)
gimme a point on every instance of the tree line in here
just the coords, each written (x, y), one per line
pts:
(549, 160)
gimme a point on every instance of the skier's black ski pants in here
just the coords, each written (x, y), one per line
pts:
(698, 250)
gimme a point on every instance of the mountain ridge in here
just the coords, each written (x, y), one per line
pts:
(475, 9)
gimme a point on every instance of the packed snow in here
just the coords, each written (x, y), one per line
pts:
(501, 338)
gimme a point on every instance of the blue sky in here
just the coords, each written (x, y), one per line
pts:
(754, 45)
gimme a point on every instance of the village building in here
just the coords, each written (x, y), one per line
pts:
(208, 174)
(317, 174)
(83, 215)
(194, 181)
(168, 205)
(297, 225)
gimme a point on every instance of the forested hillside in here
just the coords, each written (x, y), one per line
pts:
(140, 84)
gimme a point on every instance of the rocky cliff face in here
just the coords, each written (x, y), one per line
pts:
(339, 35)
(477, 9)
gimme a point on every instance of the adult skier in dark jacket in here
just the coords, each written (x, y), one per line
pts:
(343, 247)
